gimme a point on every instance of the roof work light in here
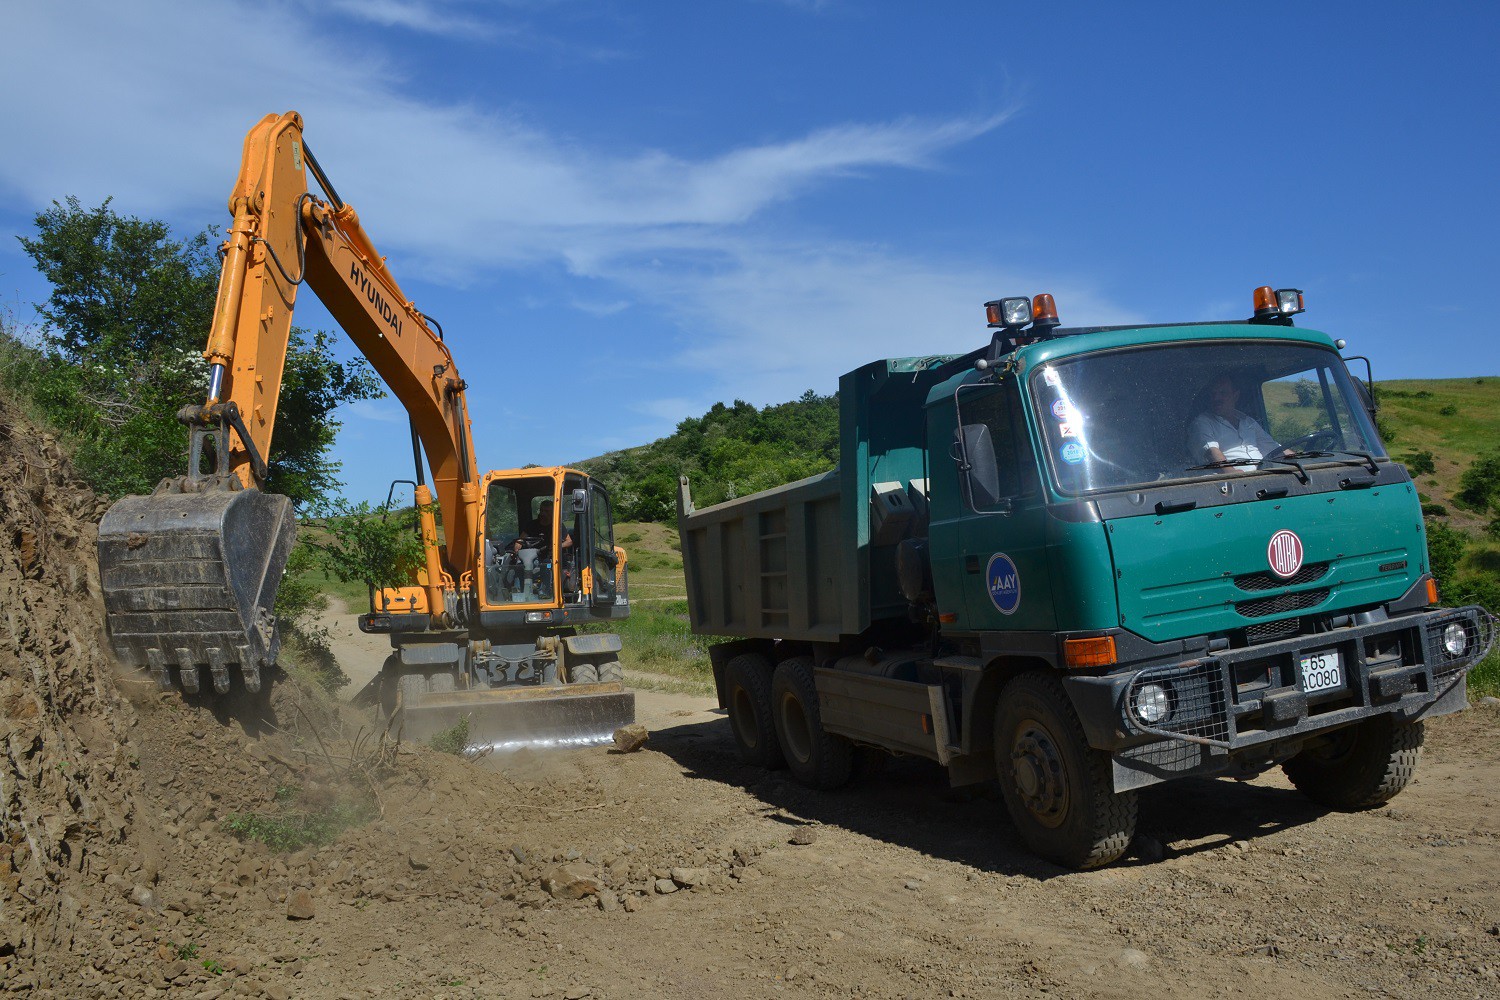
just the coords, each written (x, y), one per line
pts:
(1008, 314)
(1289, 301)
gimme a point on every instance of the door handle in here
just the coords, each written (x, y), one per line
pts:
(971, 564)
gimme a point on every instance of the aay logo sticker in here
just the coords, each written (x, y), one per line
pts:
(1284, 553)
(1004, 582)
(1072, 452)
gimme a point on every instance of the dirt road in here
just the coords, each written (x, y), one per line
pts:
(906, 889)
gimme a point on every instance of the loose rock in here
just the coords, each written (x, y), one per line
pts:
(299, 905)
(629, 739)
(805, 835)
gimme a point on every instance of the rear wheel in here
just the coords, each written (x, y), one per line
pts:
(582, 672)
(747, 693)
(816, 757)
(611, 670)
(1361, 766)
(1057, 788)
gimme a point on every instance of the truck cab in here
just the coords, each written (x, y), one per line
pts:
(1084, 561)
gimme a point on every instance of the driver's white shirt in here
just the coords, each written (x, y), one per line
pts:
(1241, 440)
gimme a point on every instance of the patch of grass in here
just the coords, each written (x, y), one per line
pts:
(1484, 679)
(453, 740)
(291, 830)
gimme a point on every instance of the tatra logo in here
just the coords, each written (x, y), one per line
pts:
(387, 312)
(1284, 553)
(1004, 583)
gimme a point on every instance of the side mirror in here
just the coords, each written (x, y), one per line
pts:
(977, 463)
(579, 501)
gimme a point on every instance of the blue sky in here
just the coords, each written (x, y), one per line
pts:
(624, 212)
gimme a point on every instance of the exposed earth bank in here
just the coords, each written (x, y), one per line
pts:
(673, 871)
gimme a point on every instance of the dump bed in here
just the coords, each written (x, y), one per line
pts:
(814, 560)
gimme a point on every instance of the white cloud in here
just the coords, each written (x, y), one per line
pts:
(151, 105)
(417, 15)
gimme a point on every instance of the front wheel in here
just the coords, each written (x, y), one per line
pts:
(1361, 766)
(816, 757)
(1057, 788)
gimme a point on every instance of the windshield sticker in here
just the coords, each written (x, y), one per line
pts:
(1072, 452)
(1067, 431)
(1050, 376)
(1004, 582)
(1060, 409)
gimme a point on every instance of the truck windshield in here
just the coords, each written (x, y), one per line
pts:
(1135, 417)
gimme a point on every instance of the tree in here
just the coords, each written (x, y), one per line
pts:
(120, 351)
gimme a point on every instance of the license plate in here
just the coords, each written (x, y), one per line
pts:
(1321, 671)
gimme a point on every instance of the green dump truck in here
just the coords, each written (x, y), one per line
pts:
(1084, 561)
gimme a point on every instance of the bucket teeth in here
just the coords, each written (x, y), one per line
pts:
(219, 668)
(250, 670)
(187, 670)
(159, 671)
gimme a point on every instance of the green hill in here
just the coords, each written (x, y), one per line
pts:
(1453, 420)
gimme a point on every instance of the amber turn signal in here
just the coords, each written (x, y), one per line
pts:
(1097, 652)
(1432, 594)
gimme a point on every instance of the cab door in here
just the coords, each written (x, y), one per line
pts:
(1001, 530)
(602, 560)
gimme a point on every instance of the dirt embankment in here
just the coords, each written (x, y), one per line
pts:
(671, 872)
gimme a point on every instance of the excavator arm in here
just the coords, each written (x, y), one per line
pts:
(283, 236)
(190, 573)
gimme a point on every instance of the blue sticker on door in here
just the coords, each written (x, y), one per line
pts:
(1004, 582)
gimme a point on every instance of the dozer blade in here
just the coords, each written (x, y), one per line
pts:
(190, 580)
(515, 717)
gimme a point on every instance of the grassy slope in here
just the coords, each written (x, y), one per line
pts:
(660, 651)
(1415, 410)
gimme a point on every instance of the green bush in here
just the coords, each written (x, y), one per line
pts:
(1420, 463)
(292, 830)
(453, 740)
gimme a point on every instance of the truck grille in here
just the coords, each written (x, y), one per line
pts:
(1271, 631)
(1280, 604)
(1269, 581)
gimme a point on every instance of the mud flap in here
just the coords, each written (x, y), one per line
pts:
(511, 718)
(190, 579)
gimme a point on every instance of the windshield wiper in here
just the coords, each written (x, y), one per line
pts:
(1367, 459)
(1301, 473)
(1362, 458)
(1227, 463)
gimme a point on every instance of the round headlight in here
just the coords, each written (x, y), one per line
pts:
(1151, 704)
(1455, 639)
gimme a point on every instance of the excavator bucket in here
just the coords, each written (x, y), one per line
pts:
(189, 582)
(510, 718)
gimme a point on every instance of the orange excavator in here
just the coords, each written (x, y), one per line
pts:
(489, 629)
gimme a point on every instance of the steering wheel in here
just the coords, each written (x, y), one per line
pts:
(1324, 440)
